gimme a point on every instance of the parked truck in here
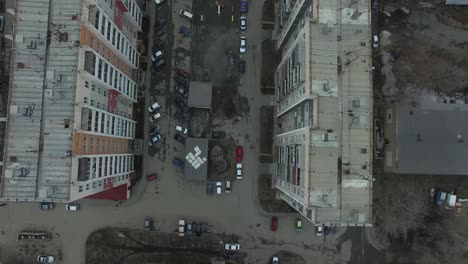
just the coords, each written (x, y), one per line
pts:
(243, 6)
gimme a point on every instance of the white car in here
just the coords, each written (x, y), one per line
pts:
(158, 2)
(72, 207)
(375, 41)
(232, 246)
(219, 187)
(181, 130)
(45, 259)
(154, 107)
(243, 23)
(319, 230)
(157, 55)
(239, 171)
(155, 117)
(275, 260)
(243, 44)
(181, 227)
(154, 140)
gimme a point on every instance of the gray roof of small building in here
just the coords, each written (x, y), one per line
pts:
(427, 139)
(196, 159)
(200, 94)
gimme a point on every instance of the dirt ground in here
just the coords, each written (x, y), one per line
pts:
(215, 54)
(424, 54)
(228, 148)
(267, 196)
(131, 246)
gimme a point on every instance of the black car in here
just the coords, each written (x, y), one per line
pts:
(242, 66)
(178, 162)
(182, 81)
(46, 205)
(180, 138)
(209, 188)
(218, 134)
(181, 116)
(154, 129)
(156, 89)
(182, 105)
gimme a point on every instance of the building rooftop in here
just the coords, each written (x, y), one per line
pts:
(196, 161)
(432, 138)
(200, 94)
(41, 102)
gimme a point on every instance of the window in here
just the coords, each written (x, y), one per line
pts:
(103, 23)
(80, 188)
(105, 93)
(99, 90)
(92, 102)
(87, 187)
(85, 100)
(93, 87)
(86, 84)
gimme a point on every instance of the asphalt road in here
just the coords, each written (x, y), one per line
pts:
(172, 197)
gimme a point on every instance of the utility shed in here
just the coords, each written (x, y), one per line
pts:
(200, 94)
(196, 161)
(432, 138)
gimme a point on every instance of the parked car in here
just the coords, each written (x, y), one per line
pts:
(157, 55)
(182, 105)
(156, 89)
(152, 177)
(155, 117)
(209, 188)
(319, 230)
(239, 154)
(244, 6)
(376, 5)
(181, 130)
(46, 205)
(197, 228)
(161, 31)
(188, 228)
(155, 106)
(274, 223)
(45, 259)
(243, 23)
(182, 73)
(153, 130)
(227, 187)
(219, 187)
(182, 81)
(239, 171)
(154, 139)
(179, 138)
(275, 260)
(243, 44)
(161, 22)
(178, 162)
(72, 207)
(183, 92)
(148, 223)
(241, 66)
(218, 134)
(181, 227)
(232, 246)
(181, 116)
(159, 64)
(159, 2)
(298, 224)
(186, 14)
(375, 41)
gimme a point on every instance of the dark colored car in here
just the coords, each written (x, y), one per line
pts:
(218, 134)
(274, 223)
(156, 89)
(152, 177)
(189, 228)
(159, 64)
(46, 206)
(182, 105)
(239, 154)
(182, 81)
(181, 116)
(242, 66)
(178, 162)
(153, 130)
(180, 138)
(209, 188)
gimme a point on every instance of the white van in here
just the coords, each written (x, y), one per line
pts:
(186, 14)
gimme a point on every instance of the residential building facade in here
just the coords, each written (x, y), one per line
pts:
(71, 124)
(323, 138)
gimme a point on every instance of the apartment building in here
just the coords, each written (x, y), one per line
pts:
(323, 138)
(71, 125)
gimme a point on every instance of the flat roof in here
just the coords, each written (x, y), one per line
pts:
(37, 161)
(432, 138)
(200, 94)
(196, 159)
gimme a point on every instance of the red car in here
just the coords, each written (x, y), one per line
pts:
(239, 152)
(274, 223)
(151, 177)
